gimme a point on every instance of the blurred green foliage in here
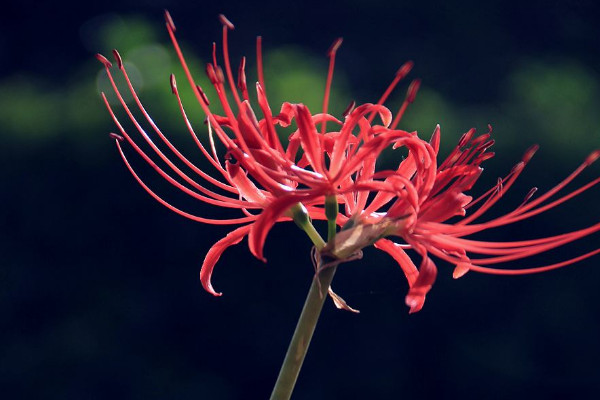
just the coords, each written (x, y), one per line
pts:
(550, 103)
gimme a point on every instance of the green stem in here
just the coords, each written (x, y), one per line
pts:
(314, 236)
(302, 219)
(303, 334)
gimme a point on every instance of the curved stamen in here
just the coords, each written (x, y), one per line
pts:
(177, 210)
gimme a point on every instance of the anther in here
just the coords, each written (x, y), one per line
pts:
(479, 139)
(173, 84)
(485, 156)
(103, 60)
(199, 89)
(529, 153)
(334, 47)
(118, 58)
(212, 76)
(486, 145)
(169, 21)
(404, 69)
(464, 139)
(594, 155)
(116, 137)
(412, 90)
(241, 83)
(349, 109)
(226, 22)
(530, 194)
(220, 75)
(518, 167)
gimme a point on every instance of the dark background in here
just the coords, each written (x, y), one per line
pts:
(99, 289)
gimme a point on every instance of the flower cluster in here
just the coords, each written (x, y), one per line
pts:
(328, 162)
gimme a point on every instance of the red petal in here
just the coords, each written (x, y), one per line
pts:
(213, 255)
(416, 295)
(266, 220)
(309, 137)
(408, 267)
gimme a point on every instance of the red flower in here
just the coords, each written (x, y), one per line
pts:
(269, 182)
(422, 196)
(258, 173)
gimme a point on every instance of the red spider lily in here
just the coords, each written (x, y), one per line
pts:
(258, 172)
(413, 202)
(422, 196)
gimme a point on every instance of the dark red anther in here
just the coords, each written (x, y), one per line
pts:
(486, 145)
(103, 60)
(173, 84)
(220, 75)
(594, 155)
(464, 139)
(349, 109)
(241, 83)
(226, 22)
(404, 69)
(212, 76)
(199, 89)
(118, 58)
(480, 139)
(116, 137)
(486, 156)
(529, 153)
(530, 194)
(334, 47)
(169, 21)
(412, 90)
(518, 167)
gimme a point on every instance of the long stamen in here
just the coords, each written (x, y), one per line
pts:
(216, 199)
(331, 54)
(177, 210)
(259, 62)
(242, 79)
(147, 138)
(159, 132)
(212, 159)
(227, 25)
(400, 74)
(411, 94)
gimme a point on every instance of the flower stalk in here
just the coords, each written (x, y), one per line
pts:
(302, 220)
(303, 333)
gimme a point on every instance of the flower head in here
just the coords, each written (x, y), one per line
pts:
(329, 161)
(423, 196)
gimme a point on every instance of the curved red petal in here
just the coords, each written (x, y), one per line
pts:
(416, 295)
(266, 220)
(398, 254)
(213, 255)
(309, 137)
